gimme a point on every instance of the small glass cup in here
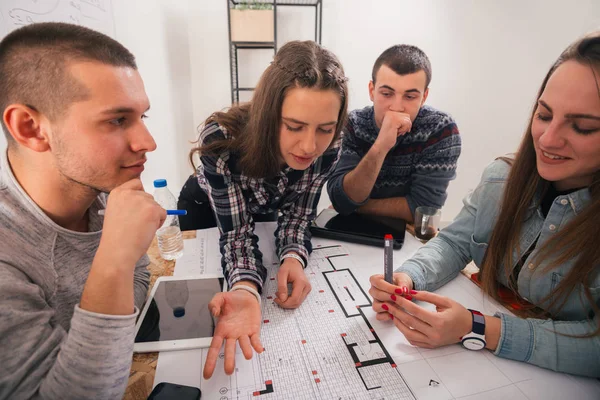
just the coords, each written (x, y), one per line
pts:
(427, 222)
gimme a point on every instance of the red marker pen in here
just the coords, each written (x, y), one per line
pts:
(388, 258)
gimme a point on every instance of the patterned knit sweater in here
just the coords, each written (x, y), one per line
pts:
(419, 167)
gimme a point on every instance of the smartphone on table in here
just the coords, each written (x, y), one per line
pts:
(173, 391)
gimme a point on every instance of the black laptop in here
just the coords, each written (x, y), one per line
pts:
(358, 228)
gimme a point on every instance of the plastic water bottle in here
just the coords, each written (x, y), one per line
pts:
(170, 240)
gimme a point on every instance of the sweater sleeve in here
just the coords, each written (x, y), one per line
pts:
(351, 153)
(141, 280)
(434, 169)
(92, 360)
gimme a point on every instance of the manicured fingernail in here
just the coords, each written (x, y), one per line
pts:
(413, 292)
(391, 316)
(393, 297)
(385, 307)
(399, 291)
(408, 297)
(405, 289)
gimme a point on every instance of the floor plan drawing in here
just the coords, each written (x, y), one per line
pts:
(327, 349)
(333, 347)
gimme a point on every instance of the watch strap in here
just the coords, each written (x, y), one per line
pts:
(478, 322)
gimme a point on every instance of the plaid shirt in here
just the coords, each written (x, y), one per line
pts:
(235, 197)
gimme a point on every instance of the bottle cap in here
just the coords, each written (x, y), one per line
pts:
(179, 312)
(159, 183)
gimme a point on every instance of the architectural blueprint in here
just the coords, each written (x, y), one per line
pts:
(332, 347)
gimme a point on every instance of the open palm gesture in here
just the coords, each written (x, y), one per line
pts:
(238, 315)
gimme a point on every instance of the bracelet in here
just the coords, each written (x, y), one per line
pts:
(247, 289)
(295, 257)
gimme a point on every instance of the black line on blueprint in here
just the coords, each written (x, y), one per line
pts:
(269, 389)
(330, 263)
(353, 353)
(361, 289)
(326, 247)
(337, 255)
(388, 358)
(379, 342)
(377, 361)
(407, 385)
(334, 293)
(391, 360)
(363, 381)
(350, 294)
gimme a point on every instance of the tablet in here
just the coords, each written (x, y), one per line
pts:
(176, 315)
(358, 228)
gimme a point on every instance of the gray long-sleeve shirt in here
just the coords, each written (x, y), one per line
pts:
(49, 347)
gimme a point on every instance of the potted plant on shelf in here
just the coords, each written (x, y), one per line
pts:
(252, 21)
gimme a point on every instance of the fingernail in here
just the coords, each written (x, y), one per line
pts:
(413, 292)
(385, 307)
(405, 289)
(393, 297)
(391, 316)
(399, 291)
(408, 297)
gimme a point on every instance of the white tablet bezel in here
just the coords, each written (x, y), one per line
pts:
(168, 345)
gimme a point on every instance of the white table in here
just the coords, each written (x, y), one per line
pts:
(459, 373)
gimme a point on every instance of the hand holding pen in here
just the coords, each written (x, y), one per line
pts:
(389, 285)
(130, 223)
(382, 291)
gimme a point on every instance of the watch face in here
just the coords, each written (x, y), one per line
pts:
(473, 343)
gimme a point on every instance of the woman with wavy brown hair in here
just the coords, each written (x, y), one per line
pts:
(532, 225)
(272, 155)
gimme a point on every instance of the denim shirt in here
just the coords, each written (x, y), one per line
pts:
(542, 342)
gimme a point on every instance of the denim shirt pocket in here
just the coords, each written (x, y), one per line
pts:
(577, 306)
(477, 250)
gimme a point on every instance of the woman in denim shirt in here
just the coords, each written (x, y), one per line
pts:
(532, 226)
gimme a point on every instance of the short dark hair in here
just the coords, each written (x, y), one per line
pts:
(404, 59)
(33, 65)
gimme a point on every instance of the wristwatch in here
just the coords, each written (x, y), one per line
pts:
(476, 339)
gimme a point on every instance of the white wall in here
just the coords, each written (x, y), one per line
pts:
(488, 57)
(156, 32)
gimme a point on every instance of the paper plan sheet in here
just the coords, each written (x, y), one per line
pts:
(332, 347)
(200, 255)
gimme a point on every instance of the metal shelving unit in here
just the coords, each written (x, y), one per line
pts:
(235, 46)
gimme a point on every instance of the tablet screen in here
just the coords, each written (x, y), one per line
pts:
(362, 225)
(179, 310)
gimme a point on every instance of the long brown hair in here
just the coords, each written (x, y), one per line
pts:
(575, 241)
(254, 127)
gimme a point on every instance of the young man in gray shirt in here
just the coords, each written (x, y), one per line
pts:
(71, 281)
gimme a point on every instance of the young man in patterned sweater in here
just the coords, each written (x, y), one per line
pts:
(398, 154)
